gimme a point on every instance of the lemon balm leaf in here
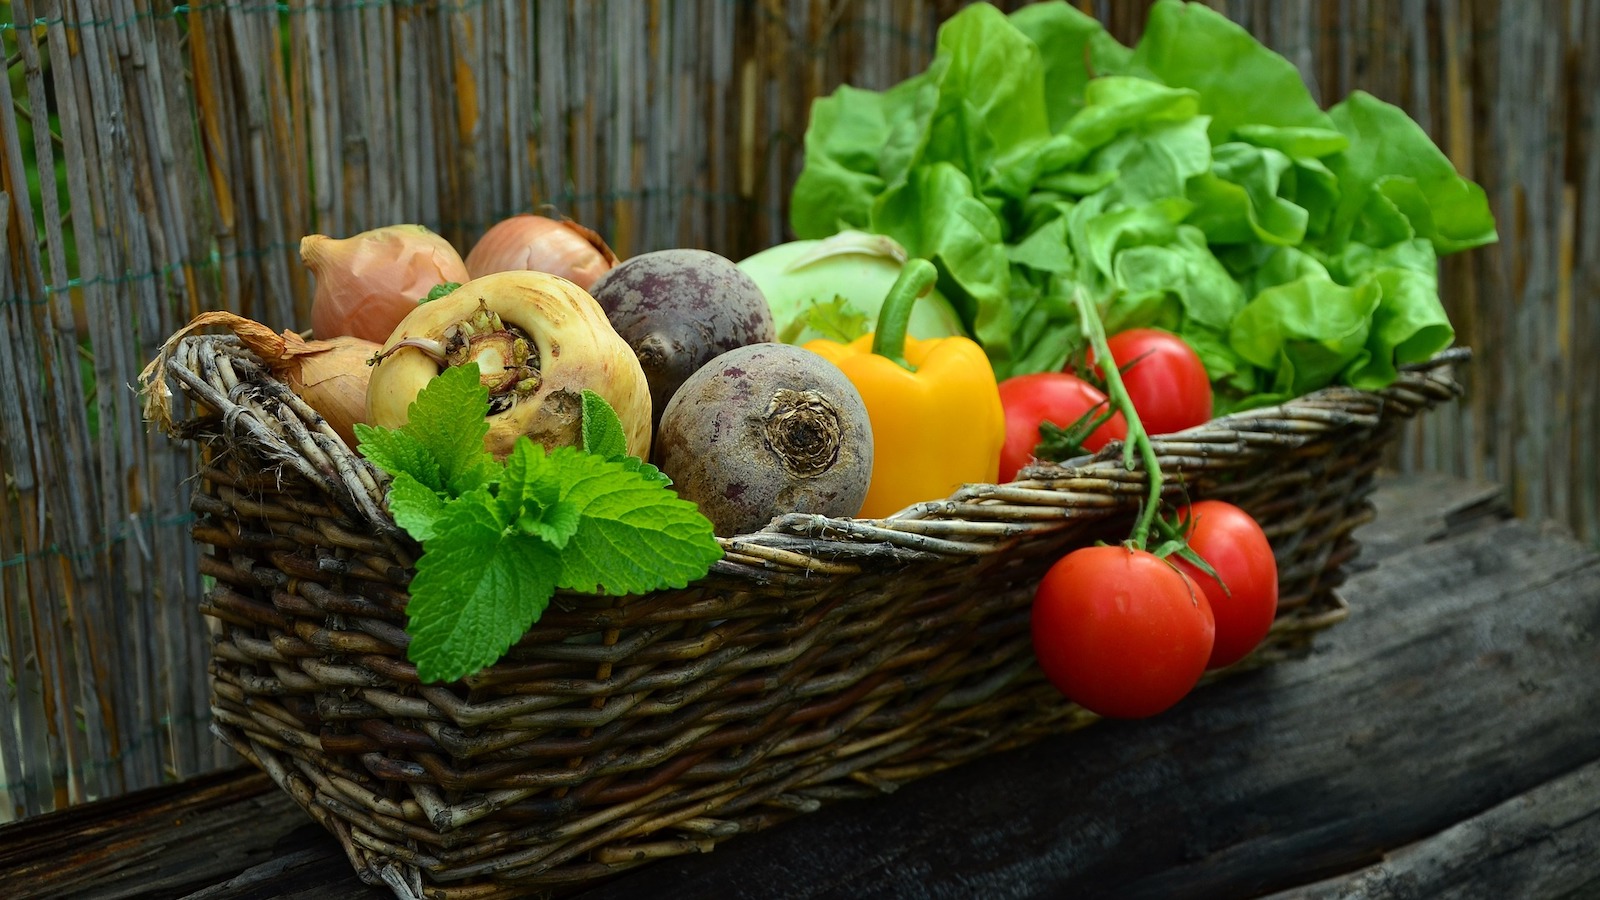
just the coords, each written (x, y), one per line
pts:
(530, 496)
(499, 538)
(416, 507)
(634, 535)
(479, 587)
(602, 430)
(603, 436)
(398, 452)
(448, 418)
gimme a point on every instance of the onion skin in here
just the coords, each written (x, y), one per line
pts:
(541, 244)
(330, 376)
(367, 283)
(334, 381)
(575, 345)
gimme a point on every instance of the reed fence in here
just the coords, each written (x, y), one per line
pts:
(186, 148)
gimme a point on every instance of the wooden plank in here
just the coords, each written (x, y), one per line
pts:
(1423, 507)
(316, 872)
(1539, 844)
(156, 843)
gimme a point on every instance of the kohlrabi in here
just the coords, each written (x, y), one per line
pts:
(832, 288)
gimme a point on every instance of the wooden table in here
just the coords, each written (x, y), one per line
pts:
(1445, 741)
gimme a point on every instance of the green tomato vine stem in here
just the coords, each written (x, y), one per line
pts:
(1137, 442)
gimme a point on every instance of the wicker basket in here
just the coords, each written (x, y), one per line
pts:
(820, 659)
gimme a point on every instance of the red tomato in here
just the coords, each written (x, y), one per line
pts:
(1120, 632)
(1057, 397)
(1167, 381)
(1233, 544)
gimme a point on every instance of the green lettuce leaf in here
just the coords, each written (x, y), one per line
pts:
(1305, 333)
(1073, 48)
(1239, 81)
(1410, 324)
(1190, 182)
(1395, 184)
(937, 215)
(835, 189)
(1238, 201)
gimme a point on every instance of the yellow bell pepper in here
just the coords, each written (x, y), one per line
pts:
(934, 405)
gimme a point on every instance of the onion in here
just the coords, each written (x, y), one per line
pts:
(330, 376)
(540, 244)
(367, 283)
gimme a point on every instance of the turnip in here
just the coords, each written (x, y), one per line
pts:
(767, 429)
(539, 341)
(679, 308)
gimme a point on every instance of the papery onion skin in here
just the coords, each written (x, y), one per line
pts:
(542, 244)
(574, 343)
(335, 381)
(367, 283)
(330, 376)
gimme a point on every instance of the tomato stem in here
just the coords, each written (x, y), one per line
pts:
(1137, 441)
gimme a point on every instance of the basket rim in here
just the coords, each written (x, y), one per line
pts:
(256, 408)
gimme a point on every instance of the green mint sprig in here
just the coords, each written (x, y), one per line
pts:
(498, 539)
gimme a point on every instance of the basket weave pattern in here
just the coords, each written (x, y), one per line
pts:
(821, 659)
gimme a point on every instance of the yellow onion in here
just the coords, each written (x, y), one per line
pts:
(541, 244)
(539, 341)
(330, 376)
(367, 283)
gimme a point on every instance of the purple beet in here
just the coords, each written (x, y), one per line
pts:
(763, 430)
(678, 309)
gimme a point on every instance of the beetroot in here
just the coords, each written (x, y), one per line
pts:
(679, 308)
(763, 430)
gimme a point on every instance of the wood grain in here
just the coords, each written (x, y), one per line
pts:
(1538, 844)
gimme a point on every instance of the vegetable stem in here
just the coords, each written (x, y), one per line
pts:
(1138, 441)
(915, 282)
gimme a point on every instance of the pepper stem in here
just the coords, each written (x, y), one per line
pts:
(1094, 331)
(915, 282)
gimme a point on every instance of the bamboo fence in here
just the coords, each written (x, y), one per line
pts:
(193, 145)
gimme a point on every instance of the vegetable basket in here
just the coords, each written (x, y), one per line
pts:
(821, 659)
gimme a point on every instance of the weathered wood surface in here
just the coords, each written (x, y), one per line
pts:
(1440, 743)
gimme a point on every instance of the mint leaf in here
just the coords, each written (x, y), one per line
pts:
(499, 539)
(603, 437)
(416, 507)
(440, 290)
(398, 452)
(448, 419)
(649, 472)
(602, 430)
(634, 536)
(553, 524)
(479, 587)
(530, 496)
